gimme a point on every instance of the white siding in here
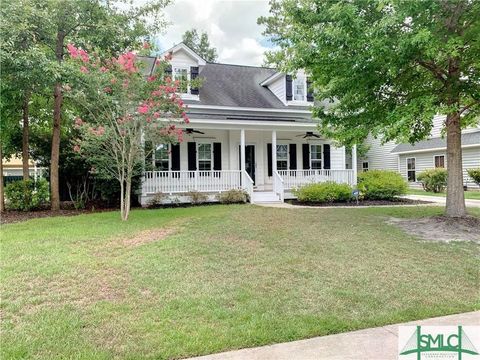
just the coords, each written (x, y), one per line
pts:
(379, 156)
(438, 124)
(337, 158)
(425, 160)
(278, 88)
(181, 57)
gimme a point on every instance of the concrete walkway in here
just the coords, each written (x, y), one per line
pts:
(440, 200)
(369, 344)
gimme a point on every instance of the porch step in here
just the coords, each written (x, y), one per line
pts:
(265, 197)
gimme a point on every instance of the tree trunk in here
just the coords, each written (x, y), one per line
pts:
(455, 196)
(122, 199)
(127, 199)
(2, 194)
(56, 131)
(25, 137)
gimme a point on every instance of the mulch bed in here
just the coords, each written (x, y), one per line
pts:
(400, 201)
(8, 217)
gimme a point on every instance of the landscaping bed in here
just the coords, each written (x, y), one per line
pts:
(398, 201)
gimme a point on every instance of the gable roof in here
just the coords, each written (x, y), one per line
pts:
(468, 139)
(189, 51)
(237, 86)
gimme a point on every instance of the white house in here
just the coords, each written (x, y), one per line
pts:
(250, 128)
(410, 160)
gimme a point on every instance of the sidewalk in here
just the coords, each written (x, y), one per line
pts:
(368, 344)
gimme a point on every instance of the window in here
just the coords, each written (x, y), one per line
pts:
(204, 157)
(365, 166)
(282, 157)
(181, 74)
(161, 158)
(411, 170)
(315, 157)
(439, 161)
(299, 89)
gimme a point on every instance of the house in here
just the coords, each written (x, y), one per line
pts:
(410, 160)
(250, 128)
(13, 169)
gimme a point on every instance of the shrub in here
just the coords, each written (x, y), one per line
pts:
(323, 192)
(26, 195)
(157, 199)
(433, 180)
(381, 184)
(475, 175)
(196, 197)
(232, 197)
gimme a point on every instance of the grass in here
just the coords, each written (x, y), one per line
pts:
(222, 277)
(468, 194)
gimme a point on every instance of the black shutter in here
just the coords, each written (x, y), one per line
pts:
(193, 76)
(168, 71)
(309, 90)
(326, 156)
(293, 156)
(269, 159)
(192, 156)
(306, 156)
(288, 87)
(175, 157)
(217, 156)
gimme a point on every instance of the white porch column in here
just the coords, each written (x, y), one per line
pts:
(242, 150)
(274, 151)
(354, 163)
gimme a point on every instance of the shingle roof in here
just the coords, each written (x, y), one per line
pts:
(472, 138)
(237, 85)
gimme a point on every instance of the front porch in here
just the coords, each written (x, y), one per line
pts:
(267, 161)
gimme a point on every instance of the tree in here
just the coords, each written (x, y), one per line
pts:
(201, 45)
(122, 107)
(388, 67)
(94, 22)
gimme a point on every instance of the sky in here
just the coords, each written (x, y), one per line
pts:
(231, 26)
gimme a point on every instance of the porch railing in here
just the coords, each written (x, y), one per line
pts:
(247, 184)
(278, 185)
(184, 181)
(295, 178)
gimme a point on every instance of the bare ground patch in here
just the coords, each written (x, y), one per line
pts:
(441, 228)
(149, 236)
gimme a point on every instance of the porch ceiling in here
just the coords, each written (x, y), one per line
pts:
(251, 125)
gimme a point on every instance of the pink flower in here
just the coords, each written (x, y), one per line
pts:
(125, 83)
(156, 114)
(83, 54)
(83, 69)
(169, 56)
(151, 78)
(146, 45)
(103, 69)
(78, 122)
(100, 130)
(76, 148)
(113, 81)
(107, 89)
(127, 62)
(72, 50)
(143, 109)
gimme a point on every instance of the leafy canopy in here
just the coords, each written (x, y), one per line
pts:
(385, 67)
(200, 44)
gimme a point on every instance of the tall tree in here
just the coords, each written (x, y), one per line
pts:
(98, 24)
(388, 67)
(200, 44)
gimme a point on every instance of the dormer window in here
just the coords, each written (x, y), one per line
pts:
(299, 88)
(182, 74)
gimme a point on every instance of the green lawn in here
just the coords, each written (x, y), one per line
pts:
(223, 277)
(468, 194)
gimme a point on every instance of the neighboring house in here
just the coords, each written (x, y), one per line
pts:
(250, 128)
(410, 160)
(13, 169)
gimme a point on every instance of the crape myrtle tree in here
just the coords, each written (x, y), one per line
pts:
(387, 67)
(122, 107)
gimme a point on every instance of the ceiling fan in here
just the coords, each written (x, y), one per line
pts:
(309, 134)
(191, 131)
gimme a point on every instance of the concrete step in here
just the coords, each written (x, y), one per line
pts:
(265, 197)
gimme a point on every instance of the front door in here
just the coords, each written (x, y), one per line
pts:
(249, 160)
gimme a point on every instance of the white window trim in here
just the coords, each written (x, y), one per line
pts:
(211, 155)
(174, 73)
(444, 161)
(299, 102)
(310, 156)
(288, 154)
(407, 170)
(169, 149)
